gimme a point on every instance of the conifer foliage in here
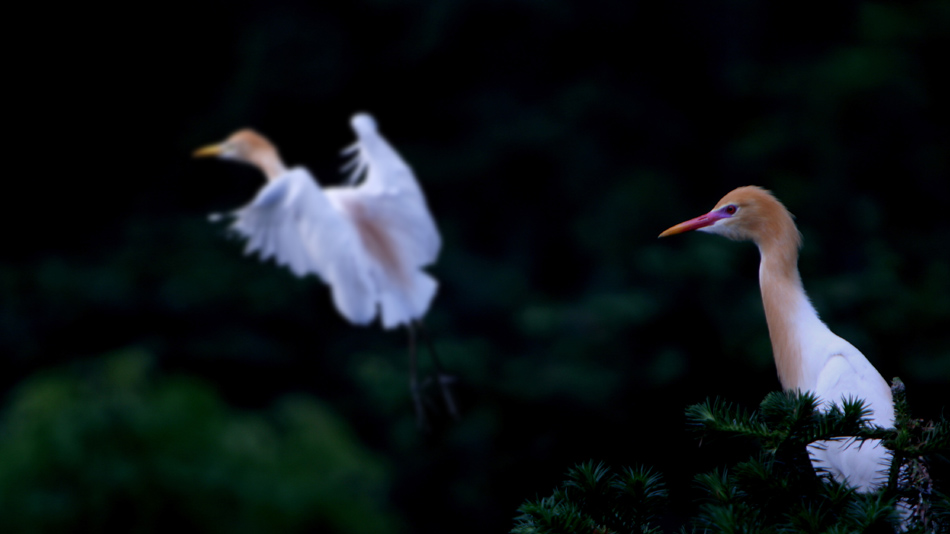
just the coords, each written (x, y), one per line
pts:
(595, 499)
(776, 489)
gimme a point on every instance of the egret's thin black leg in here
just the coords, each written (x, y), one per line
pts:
(414, 378)
(441, 377)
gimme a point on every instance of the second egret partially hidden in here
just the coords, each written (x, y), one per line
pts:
(808, 356)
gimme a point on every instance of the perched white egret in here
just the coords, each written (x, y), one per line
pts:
(369, 240)
(808, 356)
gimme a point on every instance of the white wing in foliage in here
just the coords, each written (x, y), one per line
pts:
(864, 464)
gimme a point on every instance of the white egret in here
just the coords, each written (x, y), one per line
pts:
(368, 240)
(808, 356)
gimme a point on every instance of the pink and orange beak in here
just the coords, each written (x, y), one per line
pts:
(702, 221)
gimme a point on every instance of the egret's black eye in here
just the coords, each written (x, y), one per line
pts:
(731, 209)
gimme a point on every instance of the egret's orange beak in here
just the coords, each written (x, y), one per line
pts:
(702, 221)
(208, 151)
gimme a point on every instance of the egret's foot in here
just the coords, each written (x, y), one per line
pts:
(445, 381)
(421, 422)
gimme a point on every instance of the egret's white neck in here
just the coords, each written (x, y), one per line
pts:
(268, 162)
(790, 316)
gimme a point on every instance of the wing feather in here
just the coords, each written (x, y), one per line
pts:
(392, 192)
(292, 221)
(863, 465)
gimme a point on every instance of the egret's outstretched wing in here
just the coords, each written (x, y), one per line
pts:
(392, 219)
(271, 230)
(390, 241)
(390, 193)
(292, 221)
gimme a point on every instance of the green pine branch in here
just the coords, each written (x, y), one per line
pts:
(775, 490)
(596, 500)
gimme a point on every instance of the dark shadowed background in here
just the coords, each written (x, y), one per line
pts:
(154, 379)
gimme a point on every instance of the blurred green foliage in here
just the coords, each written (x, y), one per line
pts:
(594, 499)
(107, 445)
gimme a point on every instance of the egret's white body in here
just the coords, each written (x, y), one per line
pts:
(808, 356)
(369, 241)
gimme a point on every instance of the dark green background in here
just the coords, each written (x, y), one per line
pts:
(155, 379)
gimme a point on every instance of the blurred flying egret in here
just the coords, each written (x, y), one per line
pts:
(808, 356)
(368, 240)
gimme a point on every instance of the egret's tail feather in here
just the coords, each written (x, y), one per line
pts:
(424, 290)
(404, 307)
